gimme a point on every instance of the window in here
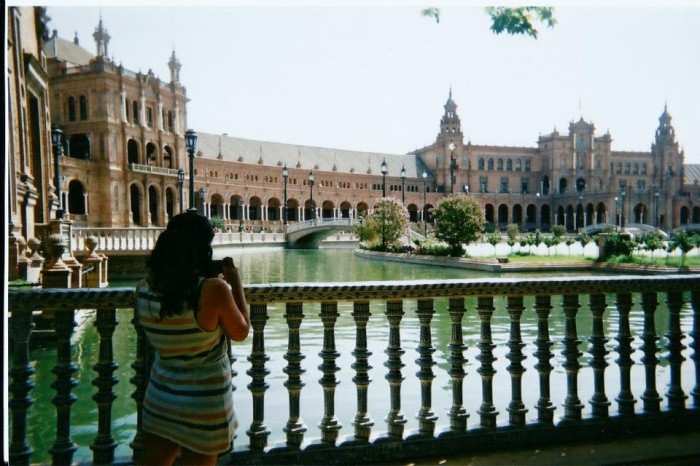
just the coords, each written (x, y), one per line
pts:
(128, 112)
(490, 164)
(644, 168)
(527, 165)
(518, 165)
(504, 184)
(481, 164)
(149, 117)
(509, 165)
(170, 120)
(641, 185)
(499, 165)
(136, 112)
(483, 184)
(619, 168)
(627, 168)
(71, 108)
(635, 168)
(524, 185)
(83, 108)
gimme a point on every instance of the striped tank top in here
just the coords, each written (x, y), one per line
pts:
(189, 396)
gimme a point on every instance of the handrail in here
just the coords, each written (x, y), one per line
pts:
(609, 308)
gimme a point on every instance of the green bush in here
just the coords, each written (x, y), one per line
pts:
(616, 245)
(558, 230)
(489, 228)
(512, 230)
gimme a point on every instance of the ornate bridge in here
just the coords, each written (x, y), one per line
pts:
(557, 395)
(307, 234)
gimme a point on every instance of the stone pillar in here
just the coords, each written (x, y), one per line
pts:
(93, 279)
(34, 261)
(18, 256)
(62, 228)
(56, 274)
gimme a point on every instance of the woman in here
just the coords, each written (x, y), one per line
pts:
(188, 406)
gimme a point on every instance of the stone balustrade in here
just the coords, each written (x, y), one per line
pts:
(559, 372)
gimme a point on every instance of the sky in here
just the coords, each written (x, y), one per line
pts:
(374, 76)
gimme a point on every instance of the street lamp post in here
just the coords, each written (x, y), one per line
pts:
(240, 215)
(181, 184)
(453, 167)
(622, 220)
(617, 215)
(582, 223)
(403, 185)
(425, 207)
(285, 175)
(311, 198)
(56, 135)
(385, 169)
(191, 143)
(656, 210)
(202, 194)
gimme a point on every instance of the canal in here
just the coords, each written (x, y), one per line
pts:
(340, 265)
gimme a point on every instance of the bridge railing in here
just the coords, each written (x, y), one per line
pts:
(320, 222)
(553, 390)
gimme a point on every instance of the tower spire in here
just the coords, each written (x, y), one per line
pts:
(174, 66)
(101, 39)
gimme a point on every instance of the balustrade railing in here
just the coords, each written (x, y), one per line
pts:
(547, 370)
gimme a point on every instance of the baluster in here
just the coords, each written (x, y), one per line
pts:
(329, 424)
(545, 408)
(104, 444)
(426, 416)
(363, 424)
(395, 420)
(695, 333)
(625, 399)
(63, 448)
(141, 367)
(487, 410)
(21, 326)
(258, 432)
(458, 415)
(651, 397)
(295, 428)
(516, 408)
(572, 403)
(599, 402)
(675, 394)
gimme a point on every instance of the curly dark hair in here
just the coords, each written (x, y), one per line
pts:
(181, 256)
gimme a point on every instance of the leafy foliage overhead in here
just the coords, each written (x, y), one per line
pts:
(512, 20)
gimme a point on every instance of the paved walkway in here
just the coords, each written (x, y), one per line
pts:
(666, 450)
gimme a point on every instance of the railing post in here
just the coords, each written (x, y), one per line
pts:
(104, 444)
(599, 402)
(295, 428)
(63, 448)
(650, 397)
(625, 399)
(21, 326)
(695, 334)
(458, 414)
(545, 408)
(426, 416)
(141, 367)
(487, 410)
(676, 396)
(363, 424)
(329, 424)
(516, 408)
(572, 403)
(395, 419)
(258, 432)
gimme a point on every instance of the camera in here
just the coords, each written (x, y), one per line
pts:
(217, 266)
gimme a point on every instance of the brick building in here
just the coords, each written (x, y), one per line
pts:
(123, 144)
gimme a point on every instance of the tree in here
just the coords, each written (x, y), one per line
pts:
(514, 21)
(681, 240)
(550, 241)
(651, 242)
(458, 221)
(387, 222)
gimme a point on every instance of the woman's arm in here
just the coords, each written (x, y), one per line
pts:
(218, 307)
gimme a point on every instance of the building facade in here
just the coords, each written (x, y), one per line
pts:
(122, 146)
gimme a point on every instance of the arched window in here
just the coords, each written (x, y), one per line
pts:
(490, 164)
(79, 146)
(135, 106)
(509, 165)
(481, 164)
(76, 198)
(619, 167)
(518, 165)
(627, 168)
(644, 168)
(83, 108)
(635, 168)
(71, 108)
(132, 149)
(527, 165)
(170, 120)
(499, 165)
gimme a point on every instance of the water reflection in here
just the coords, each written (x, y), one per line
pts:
(269, 266)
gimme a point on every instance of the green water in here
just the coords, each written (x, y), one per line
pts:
(270, 266)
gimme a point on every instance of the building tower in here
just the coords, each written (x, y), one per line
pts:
(101, 40)
(174, 65)
(449, 142)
